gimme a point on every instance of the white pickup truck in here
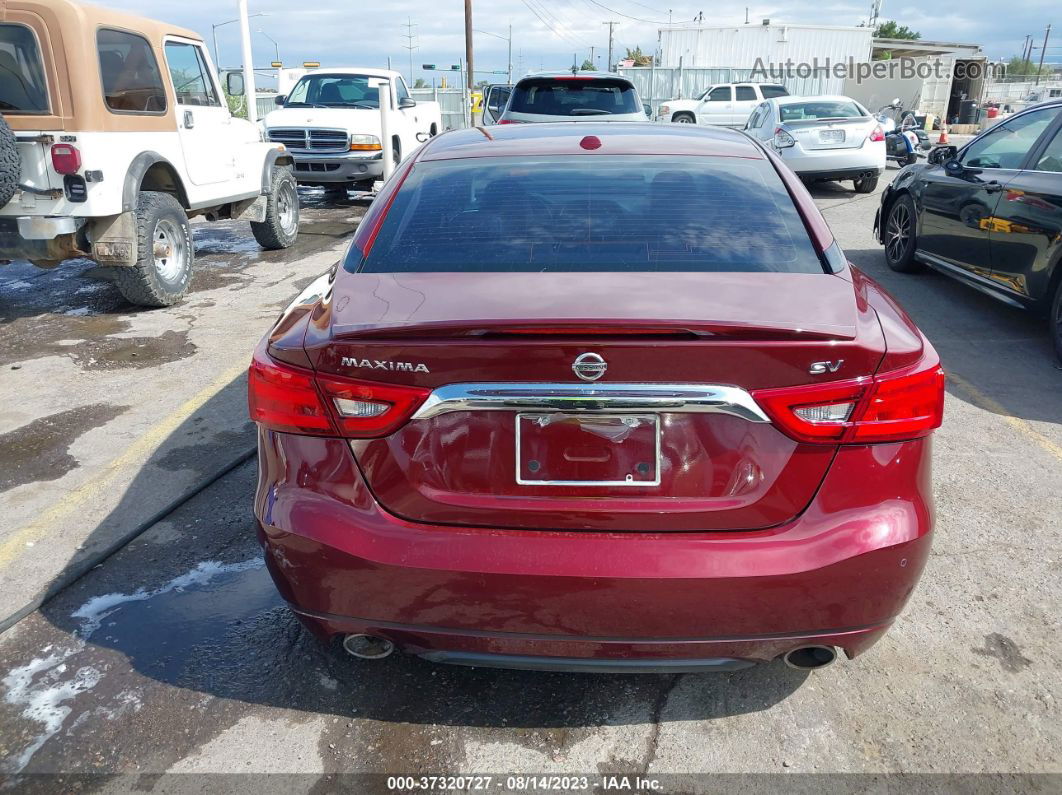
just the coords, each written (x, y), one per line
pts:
(330, 124)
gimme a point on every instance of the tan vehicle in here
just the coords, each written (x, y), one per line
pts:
(114, 132)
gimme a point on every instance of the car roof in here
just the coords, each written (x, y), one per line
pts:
(352, 70)
(566, 138)
(578, 76)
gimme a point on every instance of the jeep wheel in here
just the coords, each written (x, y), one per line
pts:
(281, 224)
(10, 163)
(164, 253)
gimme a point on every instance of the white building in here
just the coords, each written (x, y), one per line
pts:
(745, 46)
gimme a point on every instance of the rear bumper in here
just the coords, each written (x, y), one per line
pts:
(835, 164)
(838, 575)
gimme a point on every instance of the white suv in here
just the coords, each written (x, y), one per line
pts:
(115, 131)
(727, 104)
(583, 96)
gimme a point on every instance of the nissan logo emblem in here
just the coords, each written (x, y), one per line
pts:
(589, 366)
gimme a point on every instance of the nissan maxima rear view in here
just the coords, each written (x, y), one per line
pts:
(596, 397)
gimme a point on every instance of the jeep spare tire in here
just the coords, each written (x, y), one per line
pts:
(10, 163)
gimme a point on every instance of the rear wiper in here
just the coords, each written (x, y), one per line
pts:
(589, 112)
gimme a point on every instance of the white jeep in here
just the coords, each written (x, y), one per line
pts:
(114, 132)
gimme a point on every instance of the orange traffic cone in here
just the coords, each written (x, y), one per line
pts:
(943, 135)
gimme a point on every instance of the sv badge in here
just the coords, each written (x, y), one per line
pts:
(822, 368)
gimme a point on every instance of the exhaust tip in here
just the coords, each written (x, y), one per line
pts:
(808, 658)
(368, 647)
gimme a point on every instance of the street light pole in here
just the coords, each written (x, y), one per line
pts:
(214, 33)
(249, 93)
(509, 70)
(275, 45)
(468, 47)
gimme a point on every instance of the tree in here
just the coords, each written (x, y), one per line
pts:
(588, 66)
(421, 83)
(1023, 66)
(890, 30)
(639, 57)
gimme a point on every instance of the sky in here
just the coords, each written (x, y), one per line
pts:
(548, 33)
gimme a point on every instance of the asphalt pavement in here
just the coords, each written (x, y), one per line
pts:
(175, 654)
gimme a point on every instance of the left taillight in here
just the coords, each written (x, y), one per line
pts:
(289, 399)
(888, 407)
(66, 159)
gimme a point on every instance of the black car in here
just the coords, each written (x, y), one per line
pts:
(989, 213)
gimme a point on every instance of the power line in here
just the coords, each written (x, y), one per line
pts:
(559, 34)
(563, 22)
(628, 16)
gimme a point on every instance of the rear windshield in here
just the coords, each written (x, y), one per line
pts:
(22, 87)
(801, 111)
(576, 96)
(591, 213)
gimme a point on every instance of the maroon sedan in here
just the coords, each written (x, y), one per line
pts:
(596, 397)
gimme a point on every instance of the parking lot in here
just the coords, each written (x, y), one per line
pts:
(175, 654)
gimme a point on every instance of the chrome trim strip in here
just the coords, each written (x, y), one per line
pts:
(596, 397)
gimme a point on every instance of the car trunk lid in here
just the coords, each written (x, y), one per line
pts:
(662, 437)
(817, 134)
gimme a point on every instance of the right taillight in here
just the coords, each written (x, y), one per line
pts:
(289, 399)
(894, 406)
(877, 134)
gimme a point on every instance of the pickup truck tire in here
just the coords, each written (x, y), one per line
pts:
(281, 224)
(164, 251)
(683, 118)
(10, 163)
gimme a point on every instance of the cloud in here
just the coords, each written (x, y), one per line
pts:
(546, 33)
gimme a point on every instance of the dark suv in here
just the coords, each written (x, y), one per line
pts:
(989, 213)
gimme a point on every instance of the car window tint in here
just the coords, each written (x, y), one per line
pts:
(22, 86)
(600, 213)
(191, 82)
(771, 92)
(823, 109)
(721, 94)
(746, 94)
(497, 98)
(574, 97)
(1051, 159)
(1007, 144)
(132, 82)
(401, 92)
(754, 119)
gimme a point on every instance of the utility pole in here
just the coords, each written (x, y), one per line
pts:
(1043, 52)
(510, 65)
(611, 25)
(249, 93)
(592, 48)
(409, 45)
(468, 50)
(1025, 48)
